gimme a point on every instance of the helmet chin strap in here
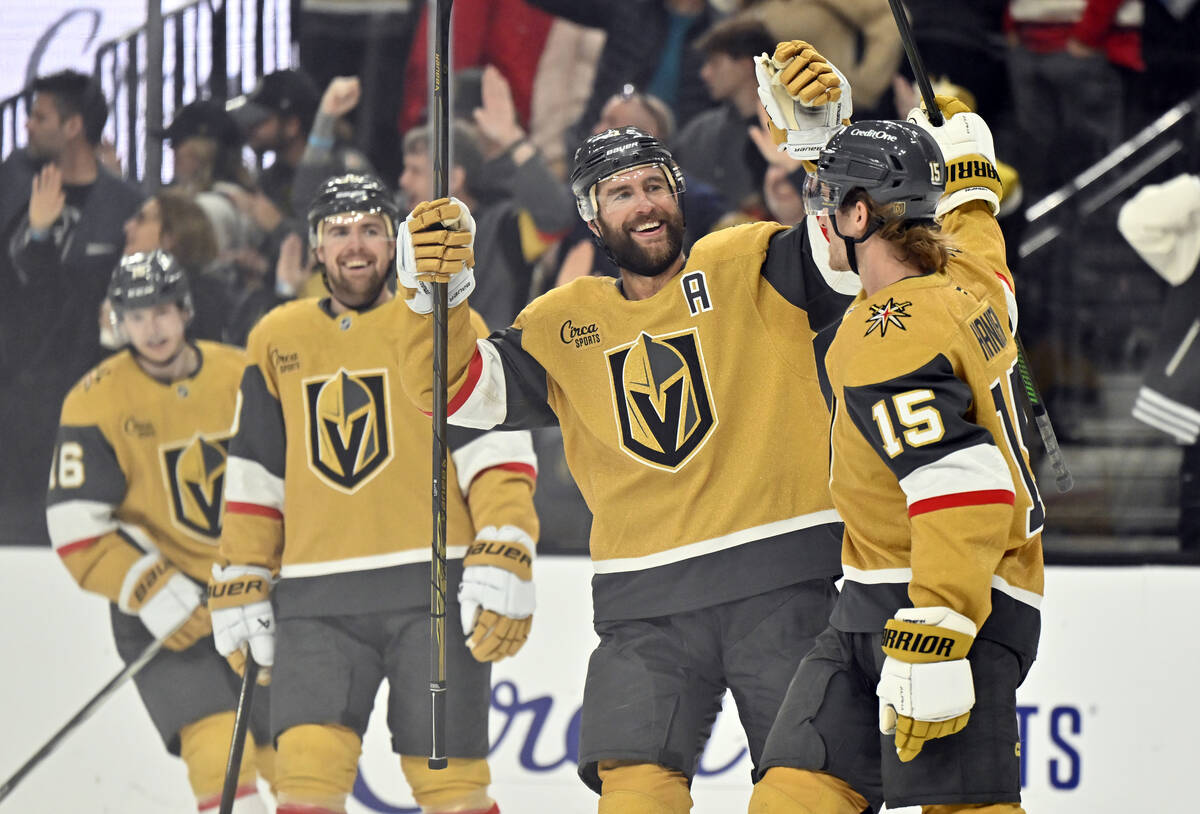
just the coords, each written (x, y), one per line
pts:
(851, 242)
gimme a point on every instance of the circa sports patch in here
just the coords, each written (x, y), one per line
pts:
(890, 314)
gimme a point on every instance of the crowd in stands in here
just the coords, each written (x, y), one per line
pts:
(1061, 81)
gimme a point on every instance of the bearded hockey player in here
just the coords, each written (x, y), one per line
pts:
(328, 506)
(909, 696)
(134, 510)
(689, 396)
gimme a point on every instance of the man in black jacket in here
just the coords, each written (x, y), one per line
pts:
(61, 219)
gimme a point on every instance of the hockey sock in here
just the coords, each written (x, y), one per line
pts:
(798, 791)
(315, 767)
(642, 788)
(461, 787)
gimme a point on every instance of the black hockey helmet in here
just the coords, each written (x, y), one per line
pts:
(611, 151)
(353, 192)
(894, 162)
(146, 279)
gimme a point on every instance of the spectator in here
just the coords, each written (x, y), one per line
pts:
(715, 146)
(859, 36)
(518, 205)
(207, 149)
(561, 88)
(369, 39)
(647, 47)
(58, 246)
(508, 34)
(1068, 58)
(172, 221)
(1162, 223)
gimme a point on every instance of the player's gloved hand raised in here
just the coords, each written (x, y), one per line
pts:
(436, 246)
(926, 689)
(167, 602)
(806, 97)
(239, 598)
(496, 594)
(968, 151)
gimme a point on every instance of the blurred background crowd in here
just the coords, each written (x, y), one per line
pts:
(1089, 100)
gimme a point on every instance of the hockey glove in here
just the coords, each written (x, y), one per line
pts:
(239, 598)
(925, 689)
(967, 149)
(436, 247)
(496, 593)
(167, 602)
(805, 96)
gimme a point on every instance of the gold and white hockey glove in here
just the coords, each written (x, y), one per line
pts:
(925, 689)
(496, 596)
(167, 602)
(967, 149)
(436, 246)
(805, 96)
(239, 598)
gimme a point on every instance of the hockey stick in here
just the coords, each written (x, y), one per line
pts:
(439, 119)
(241, 722)
(130, 670)
(1032, 397)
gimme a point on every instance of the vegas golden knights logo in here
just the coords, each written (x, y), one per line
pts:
(661, 397)
(195, 473)
(348, 427)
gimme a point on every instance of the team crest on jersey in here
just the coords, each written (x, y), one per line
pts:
(349, 427)
(661, 398)
(195, 474)
(887, 315)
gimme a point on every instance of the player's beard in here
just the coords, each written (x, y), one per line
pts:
(356, 293)
(645, 261)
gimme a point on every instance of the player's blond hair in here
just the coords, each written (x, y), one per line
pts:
(918, 242)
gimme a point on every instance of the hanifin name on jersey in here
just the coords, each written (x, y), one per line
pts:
(989, 333)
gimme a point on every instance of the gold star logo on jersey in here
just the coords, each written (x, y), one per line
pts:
(890, 313)
(195, 475)
(661, 398)
(348, 427)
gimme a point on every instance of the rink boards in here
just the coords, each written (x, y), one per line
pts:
(1107, 715)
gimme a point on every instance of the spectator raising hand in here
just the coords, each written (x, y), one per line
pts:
(47, 199)
(341, 96)
(497, 118)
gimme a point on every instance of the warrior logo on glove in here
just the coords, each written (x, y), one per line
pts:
(195, 473)
(348, 434)
(664, 409)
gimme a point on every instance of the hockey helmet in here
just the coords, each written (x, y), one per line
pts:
(354, 192)
(611, 151)
(147, 279)
(894, 162)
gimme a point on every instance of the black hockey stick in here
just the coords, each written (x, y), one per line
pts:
(1032, 398)
(109, 689)
(241, 722)
(439, 120)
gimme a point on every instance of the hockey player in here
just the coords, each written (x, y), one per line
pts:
(134, 510)
(328, 498)
(688, 391)
(910, 695)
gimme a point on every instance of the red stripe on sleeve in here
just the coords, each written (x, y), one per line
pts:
(512, 466)
(233, 507)
(980, 498)
(1004, 280)
(78, 545)
(474, 371)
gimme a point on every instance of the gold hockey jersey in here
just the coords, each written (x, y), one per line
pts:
(930, 466)
(693, 421)
(139, 466)
(329, 474)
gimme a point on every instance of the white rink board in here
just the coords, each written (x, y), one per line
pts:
(1107, 719)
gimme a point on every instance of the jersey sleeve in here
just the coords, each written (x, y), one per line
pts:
(978, 253)
(86, 487)
(492, 382)
(252, 533)
(956, 482)
(797, 266)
